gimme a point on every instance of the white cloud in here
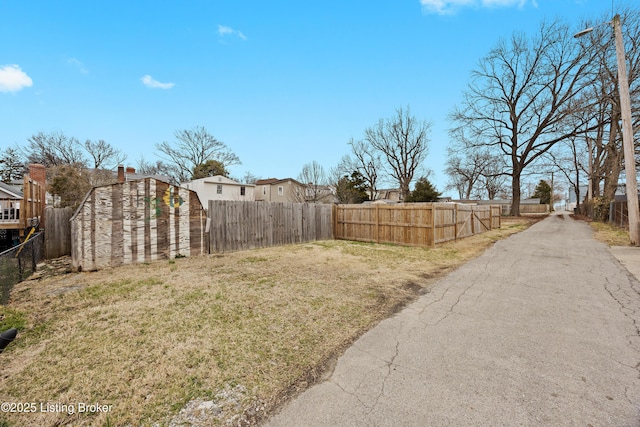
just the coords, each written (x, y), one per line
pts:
(75, 62)
(13, 79)
(450, 7)
(149, 81)
(228, 31)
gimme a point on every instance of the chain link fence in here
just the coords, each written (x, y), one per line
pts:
(18, 263)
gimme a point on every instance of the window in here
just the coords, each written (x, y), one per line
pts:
(219, 191)
(242, 191)
(280, 190)
(264, 190)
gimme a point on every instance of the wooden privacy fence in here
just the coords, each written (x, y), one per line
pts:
(241, 225)
(413, 224)
(57, 236)
(526, 209)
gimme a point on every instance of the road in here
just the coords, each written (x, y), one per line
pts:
(541, 330)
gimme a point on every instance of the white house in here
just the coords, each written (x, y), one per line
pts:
(219, 187)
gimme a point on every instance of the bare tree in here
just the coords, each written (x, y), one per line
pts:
(402, 141)
(493, 179)
(103, 154)
(314, 179)
(192, 148)
(249, 178)
(466, 169)
(569, 160)
(55, 149)
(520, 96)
(605, 137)
(367, 162)
(145, 167)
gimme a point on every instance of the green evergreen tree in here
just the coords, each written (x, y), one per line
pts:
(543, 192)
(209, 168)
(11, 165)
(424, 191)
(352, 189)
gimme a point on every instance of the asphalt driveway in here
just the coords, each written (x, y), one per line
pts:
(543, 329)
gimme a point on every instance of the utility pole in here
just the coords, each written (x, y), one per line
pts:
(627, 131)
(590, 187)
(627, 137)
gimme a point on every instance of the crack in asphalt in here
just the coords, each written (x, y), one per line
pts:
(625, 302)
(390, 365)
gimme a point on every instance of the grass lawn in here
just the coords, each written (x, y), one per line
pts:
(206, 340)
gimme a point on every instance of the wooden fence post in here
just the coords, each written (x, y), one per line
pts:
(490, 217)
(433, 225)
(377, 223)
(334, 221)
(473, 220)
(455, 222)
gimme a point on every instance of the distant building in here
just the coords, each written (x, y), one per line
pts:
(22, 206)
(129, 174)
(219, 187)
(280, 190)
(389, 194)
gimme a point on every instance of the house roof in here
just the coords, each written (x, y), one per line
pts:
(272, 181)
(12, 191)
(218, 179)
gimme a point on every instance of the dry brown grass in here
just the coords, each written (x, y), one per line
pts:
(610, 234)
(148, 339)
(607, 233)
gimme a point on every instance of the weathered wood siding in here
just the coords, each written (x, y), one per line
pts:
(57, 236)
(241, 225)
(33, 204)
(413, 224)
(137, 221)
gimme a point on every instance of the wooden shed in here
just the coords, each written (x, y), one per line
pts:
(136, 221)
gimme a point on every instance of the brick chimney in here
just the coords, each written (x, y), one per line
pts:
(120, 173)
(38, 173)
(130, 170)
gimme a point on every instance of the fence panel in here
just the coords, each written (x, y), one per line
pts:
(16, 264)
(57, 239)
(619, 214)
(242, 225)
(496, 217)
(413, 224)
(465, 225)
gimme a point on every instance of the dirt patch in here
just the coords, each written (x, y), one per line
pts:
(580, 217)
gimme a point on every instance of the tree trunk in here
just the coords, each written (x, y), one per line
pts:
(469, 189)
(404, 189)
(515, 188)
(613, 162)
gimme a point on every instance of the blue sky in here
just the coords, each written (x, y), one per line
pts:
(282, 83)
